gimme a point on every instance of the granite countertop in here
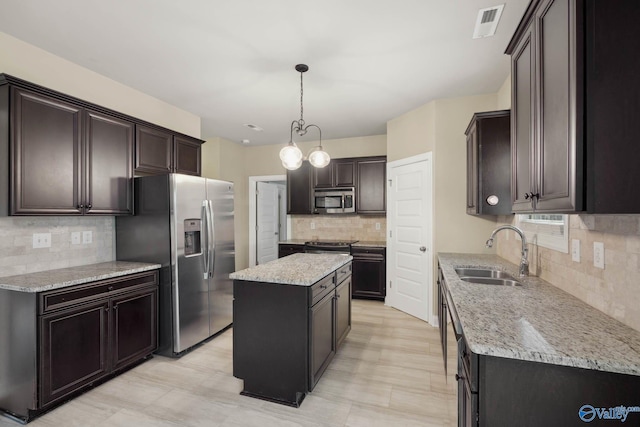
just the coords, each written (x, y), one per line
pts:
(292, 242)
(537, 321)
(371, 243)
(61, 278)
(297, 269)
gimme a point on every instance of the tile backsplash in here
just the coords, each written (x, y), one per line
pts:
(614, 290)
(17, 255)
(339, 227)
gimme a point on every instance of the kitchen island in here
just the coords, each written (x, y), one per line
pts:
(62, 331)
(289, 318)
(534, 355)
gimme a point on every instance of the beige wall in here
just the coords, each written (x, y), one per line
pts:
(412, 133)
(223, 159)
(33, 64)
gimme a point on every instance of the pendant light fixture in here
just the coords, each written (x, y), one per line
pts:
(291, 155)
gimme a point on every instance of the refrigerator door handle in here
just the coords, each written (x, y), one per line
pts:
(212, 238)
(204, 214)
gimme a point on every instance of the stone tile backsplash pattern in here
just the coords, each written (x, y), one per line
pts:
(614, 290)
(17, 255)
(338, 227)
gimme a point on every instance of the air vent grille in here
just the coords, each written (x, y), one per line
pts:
(487, 21)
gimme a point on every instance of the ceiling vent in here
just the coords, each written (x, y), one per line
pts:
(487, 21)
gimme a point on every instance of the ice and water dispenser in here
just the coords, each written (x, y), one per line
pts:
(192, 237)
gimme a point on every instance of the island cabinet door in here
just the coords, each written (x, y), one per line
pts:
(323, 338)
(343, 310)
(73, 347)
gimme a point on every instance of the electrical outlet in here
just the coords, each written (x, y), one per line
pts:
(377, 226)
(75, 238)
(598, 254)
(86, 237)
(575, 250)
(313, 225)
(42, 240)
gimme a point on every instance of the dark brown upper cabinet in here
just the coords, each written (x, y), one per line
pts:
(186, 155)
(300, 190)
(57, 169)
(66, 156)
(159, 151)
(371, 195)
(575, 107)
(108, 159)
(339, 173)
(366, 174)
(154, 150)
(488, 164)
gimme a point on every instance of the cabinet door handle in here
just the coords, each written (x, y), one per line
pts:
(115, 307)
(527, 196)
(89, 206)
(80, 206)
(458, 377)
(106, 309)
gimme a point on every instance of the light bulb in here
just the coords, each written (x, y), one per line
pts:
(292, 166)
(319, 158)
(290, 153)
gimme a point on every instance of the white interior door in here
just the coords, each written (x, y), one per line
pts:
(267, 222)
(410, 256)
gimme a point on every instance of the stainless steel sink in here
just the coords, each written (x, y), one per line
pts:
(491, 281)
(482, 272)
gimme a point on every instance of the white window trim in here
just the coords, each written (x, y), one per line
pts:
(557, 242)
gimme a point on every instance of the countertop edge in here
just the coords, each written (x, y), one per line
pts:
(282, 263)
(90, 277)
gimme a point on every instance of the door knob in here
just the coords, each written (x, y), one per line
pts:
(423, 249)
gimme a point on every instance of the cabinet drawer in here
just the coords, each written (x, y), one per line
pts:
(368, 252)
(343, 272)
(57, 299)
(322, 288)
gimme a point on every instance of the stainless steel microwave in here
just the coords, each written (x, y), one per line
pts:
(334, 201)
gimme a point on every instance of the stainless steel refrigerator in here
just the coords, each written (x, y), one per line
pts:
(185, 223)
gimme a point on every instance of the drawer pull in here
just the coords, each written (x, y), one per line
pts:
(458, 377)
(323, 286)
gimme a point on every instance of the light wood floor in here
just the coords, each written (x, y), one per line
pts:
(389, 372)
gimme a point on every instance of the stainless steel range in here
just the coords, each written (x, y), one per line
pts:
(329, 246)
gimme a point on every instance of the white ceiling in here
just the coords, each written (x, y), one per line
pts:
(232, 62)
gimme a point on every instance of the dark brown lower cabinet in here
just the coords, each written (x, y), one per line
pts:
(285, 249)
(285, 336)
(74, 349)
(68, 339)
(323, 336)
(343, 310)
(369, 272)
(107, 326)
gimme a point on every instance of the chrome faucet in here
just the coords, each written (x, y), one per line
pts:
(524, 263)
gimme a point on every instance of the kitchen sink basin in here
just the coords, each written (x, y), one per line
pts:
(482, 272)
(491, 281)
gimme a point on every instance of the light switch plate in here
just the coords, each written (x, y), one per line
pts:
(76, 239)
(377, 226)
(575, 250)
(598, 254)
(86, 237)
(313, 225)
(41, 240)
